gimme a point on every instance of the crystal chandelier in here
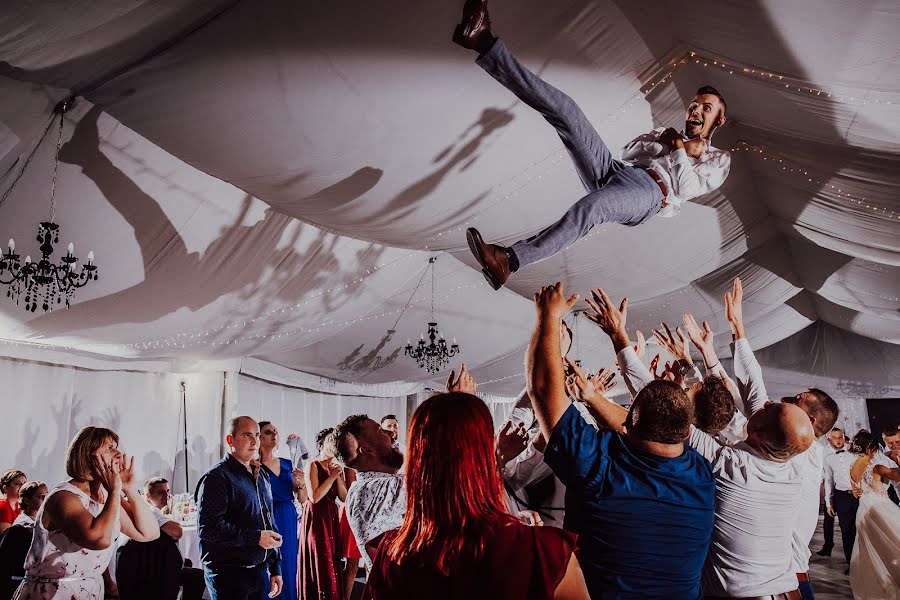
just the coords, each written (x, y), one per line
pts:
(434, 355)
(44, 282)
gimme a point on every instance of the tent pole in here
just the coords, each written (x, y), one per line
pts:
(187, 484)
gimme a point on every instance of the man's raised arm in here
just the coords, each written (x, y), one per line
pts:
(544, 364)
(746, 368)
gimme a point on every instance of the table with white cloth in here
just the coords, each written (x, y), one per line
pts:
(189, 545)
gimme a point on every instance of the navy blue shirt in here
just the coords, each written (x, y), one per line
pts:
(644, 522)
(233, 507)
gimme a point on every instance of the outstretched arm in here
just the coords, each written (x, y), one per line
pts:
(887, 473)
(678, 348)
(746, 368)
(612, 321)
(606, 412)
(544, 366)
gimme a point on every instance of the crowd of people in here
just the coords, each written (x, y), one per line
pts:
(700, 486)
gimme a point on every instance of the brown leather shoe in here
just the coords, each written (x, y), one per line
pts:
(474, 32)
(493, 259)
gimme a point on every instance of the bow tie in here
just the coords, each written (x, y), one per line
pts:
(838, 451)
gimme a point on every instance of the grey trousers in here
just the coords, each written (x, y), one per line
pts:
(617, 193)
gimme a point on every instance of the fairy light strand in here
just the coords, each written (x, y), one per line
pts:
(790, 168)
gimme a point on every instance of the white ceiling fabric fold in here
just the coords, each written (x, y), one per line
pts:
(270, 179)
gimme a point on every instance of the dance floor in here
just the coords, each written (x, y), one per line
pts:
(827, 573)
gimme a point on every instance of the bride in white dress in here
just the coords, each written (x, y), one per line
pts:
(875, 566)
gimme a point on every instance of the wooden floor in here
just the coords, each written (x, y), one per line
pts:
(827, 573)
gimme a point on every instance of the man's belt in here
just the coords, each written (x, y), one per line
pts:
(792, 595)
(661, 183)
(803, 577)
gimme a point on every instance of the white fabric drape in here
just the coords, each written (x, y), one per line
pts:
(255, 185)
(306, 413)
(45, 405)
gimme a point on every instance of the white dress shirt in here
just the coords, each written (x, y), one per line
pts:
(757, 503)
(529, 468)
(810, 464)
(685, 177)
(837, 473)
(161, 519)
(376, 502)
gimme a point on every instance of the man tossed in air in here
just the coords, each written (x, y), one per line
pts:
(659, 170)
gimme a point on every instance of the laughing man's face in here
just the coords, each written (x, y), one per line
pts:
(703, 115)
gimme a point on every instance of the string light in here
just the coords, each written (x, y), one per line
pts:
(784, 82)
(309, 330)
(787, 167)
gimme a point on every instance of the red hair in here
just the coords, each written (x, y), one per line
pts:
(453, 486)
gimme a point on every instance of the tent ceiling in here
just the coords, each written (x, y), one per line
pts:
(271, 179)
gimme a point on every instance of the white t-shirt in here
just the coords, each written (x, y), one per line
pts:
(161, 519)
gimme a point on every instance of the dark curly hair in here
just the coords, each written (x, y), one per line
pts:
(320, 437)
(864, 442)
(351, 426)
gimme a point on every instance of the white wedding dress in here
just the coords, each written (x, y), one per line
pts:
(875, 565)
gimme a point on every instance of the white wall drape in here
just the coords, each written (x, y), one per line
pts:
(294, 410)
(44, 406)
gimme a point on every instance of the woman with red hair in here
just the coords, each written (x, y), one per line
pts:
(457, 539)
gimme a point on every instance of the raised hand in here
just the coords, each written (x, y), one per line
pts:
(702, 338)
(465, 383)
(511, 441)
(610, 318)
(577, 384)
(106, 472)
(603, 381)
(734, 309)
(640, 347)
(126, 471)
(678, 348)
(551, 302)
(654, 365)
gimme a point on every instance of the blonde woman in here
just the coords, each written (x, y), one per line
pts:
(76, 529)
(32, 498)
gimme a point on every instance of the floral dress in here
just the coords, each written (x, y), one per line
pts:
(57, 568)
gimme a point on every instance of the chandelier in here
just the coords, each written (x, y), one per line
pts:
(42, 281)
(436, 353)
(576, 342)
